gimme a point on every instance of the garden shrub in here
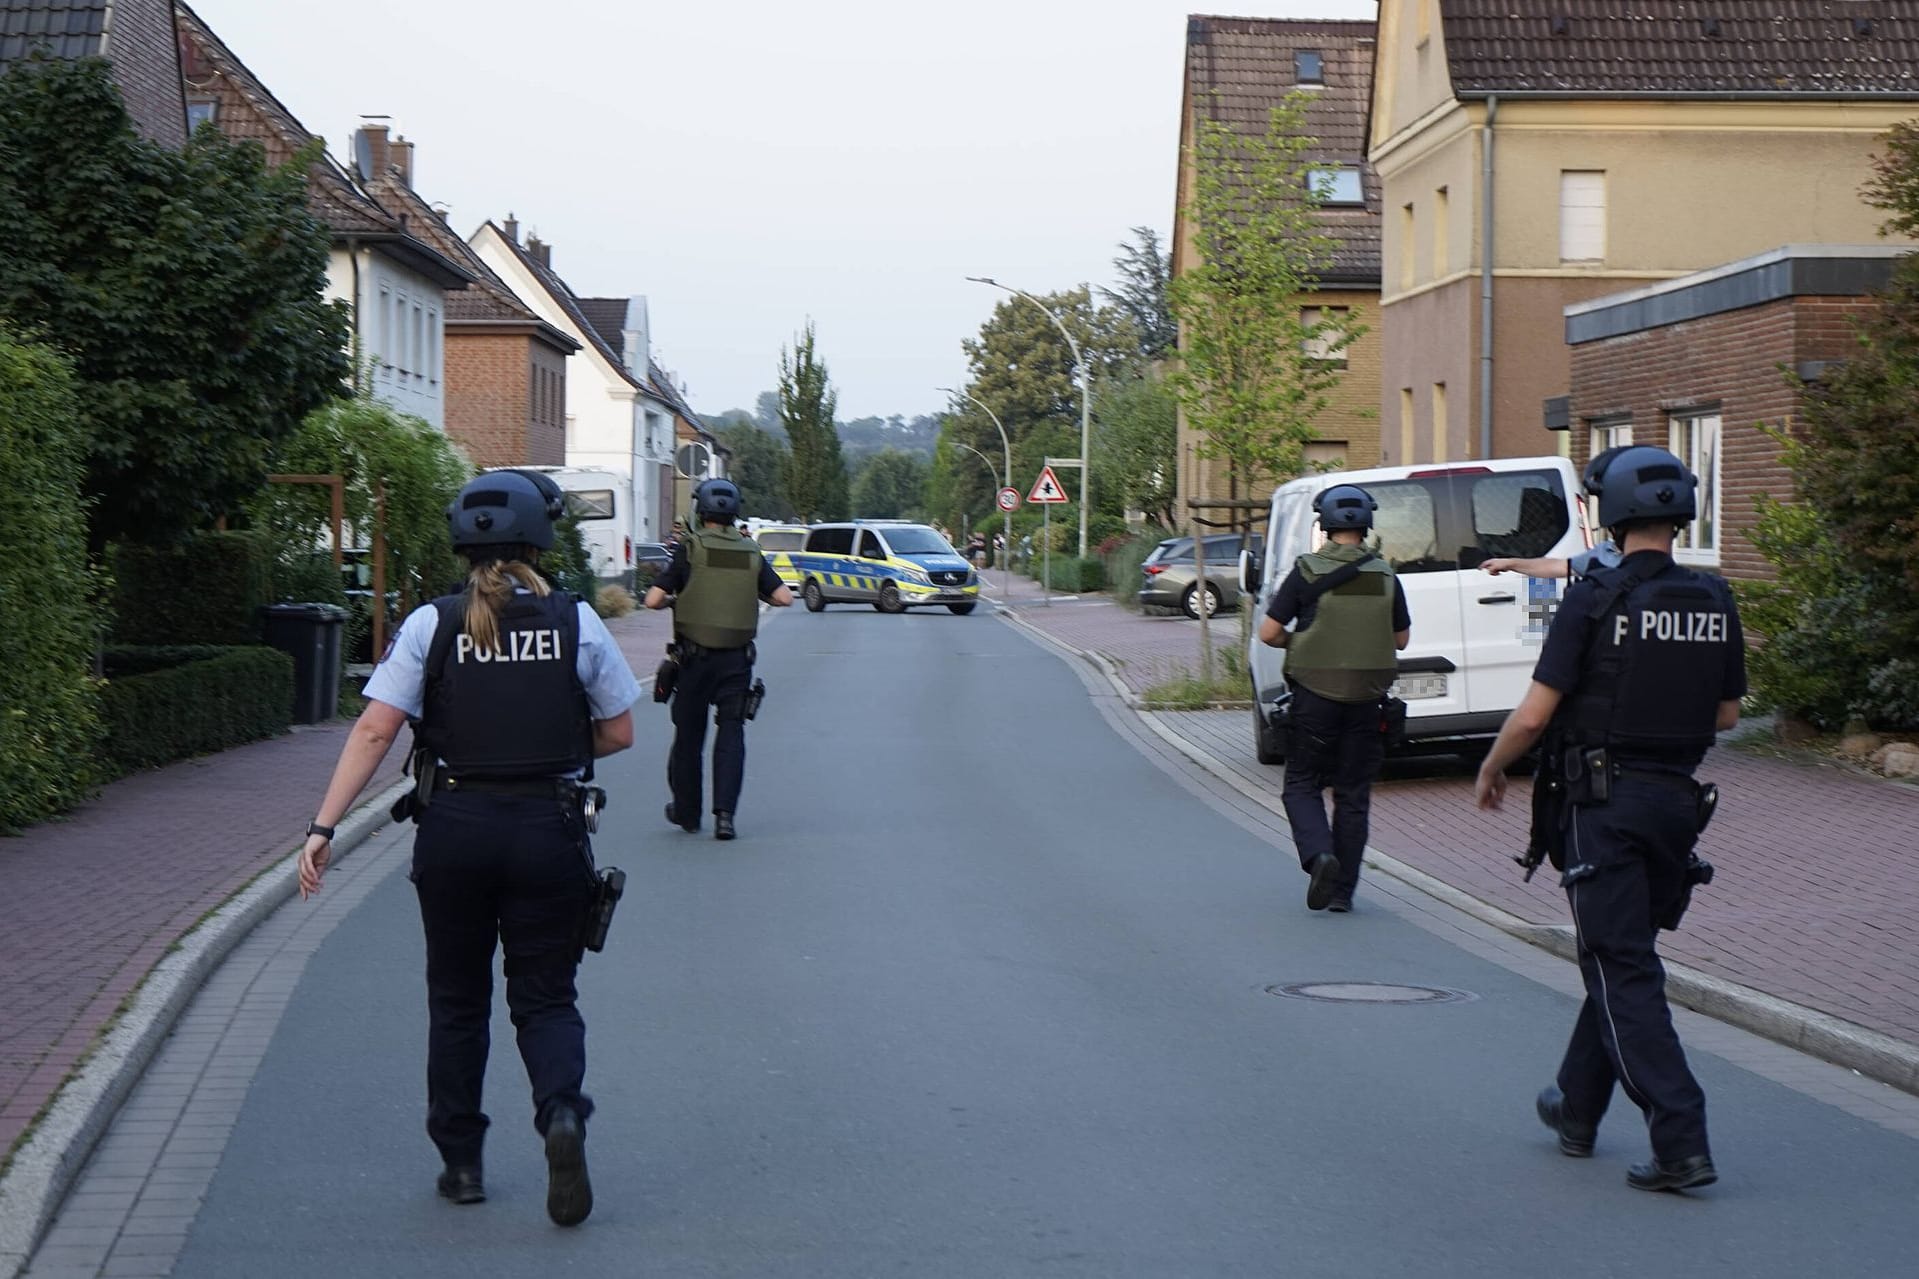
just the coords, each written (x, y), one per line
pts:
(201, 704)
(208, 589)
(50, 616)
(614, 600)
(1070, 573)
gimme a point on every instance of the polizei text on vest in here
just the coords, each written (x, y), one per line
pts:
(521, 646)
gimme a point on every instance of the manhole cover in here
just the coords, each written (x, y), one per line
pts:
(1368, 992)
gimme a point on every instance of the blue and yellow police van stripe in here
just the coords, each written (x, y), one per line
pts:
(853, 573)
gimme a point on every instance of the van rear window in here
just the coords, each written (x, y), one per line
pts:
(1407, 524)
(1519, 514)
(1437, 523)
(590, 504)
(789, 540)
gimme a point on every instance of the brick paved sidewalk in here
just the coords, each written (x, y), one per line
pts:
(1817, 900)
(89, 904)
(1145, 649)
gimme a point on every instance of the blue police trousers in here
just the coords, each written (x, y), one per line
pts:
(1336, 744)
(1625, 871)
(718, 678)
(515, 870)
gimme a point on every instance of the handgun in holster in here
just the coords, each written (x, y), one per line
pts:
(1546, 838)
(754, 696)
(609, 887)
(424, 768)
(667, 676)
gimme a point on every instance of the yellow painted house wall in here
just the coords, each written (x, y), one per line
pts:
(1690, 184)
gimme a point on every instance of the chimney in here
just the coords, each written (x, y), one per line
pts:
(512, 228)
(401, 158)
(540, 251)
(371, 152)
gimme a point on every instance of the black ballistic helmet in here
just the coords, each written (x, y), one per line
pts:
(1597, 467)
(506, 508)
(1640, 482)
(1345, 506)
(717, 500)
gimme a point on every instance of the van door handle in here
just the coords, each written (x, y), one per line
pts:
(1498, 599)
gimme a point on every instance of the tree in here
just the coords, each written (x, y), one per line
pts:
(1135, 449)
(891, 485)
(1144, 272)
(758, 467)
(815, 474)
(186, 288)
(1251, 371)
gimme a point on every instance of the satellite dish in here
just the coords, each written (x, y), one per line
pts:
(363, 155)
(692, 461)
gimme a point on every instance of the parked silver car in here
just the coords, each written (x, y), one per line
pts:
(1172, 576)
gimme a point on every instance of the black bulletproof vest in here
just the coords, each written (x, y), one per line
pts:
(1656, 664)
(518, 711)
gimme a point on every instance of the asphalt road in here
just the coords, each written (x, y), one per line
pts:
(982, 991)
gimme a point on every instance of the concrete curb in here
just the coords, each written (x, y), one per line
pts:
(1869, 1052)
(45, 1168)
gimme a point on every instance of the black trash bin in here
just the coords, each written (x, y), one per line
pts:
(311, 635)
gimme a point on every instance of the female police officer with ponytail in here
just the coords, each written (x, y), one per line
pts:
(513, 689)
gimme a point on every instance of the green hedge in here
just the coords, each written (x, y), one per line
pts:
(206, 590)
(1070, 573)
(202, 704)
(50, 618)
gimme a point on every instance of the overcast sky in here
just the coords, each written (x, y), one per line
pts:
(750, 164)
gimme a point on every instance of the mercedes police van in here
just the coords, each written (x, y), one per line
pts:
(1475, 637)
(893, 565)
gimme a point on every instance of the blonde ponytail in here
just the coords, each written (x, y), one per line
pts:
(489, 586)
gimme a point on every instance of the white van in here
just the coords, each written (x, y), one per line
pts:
(597, 500)
(1475, 637)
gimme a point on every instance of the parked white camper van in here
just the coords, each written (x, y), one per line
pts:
(602, 502)
(1475, 637)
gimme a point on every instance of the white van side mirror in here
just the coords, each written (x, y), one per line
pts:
(1249, 571)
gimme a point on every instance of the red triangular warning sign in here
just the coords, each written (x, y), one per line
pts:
(1047, 488)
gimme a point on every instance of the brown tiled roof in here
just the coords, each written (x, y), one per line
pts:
(487, 297)
(59, 28)
(1808, 48)
(1237, 70)
(245, 111)
(570, 303)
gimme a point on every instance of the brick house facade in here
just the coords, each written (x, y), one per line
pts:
(505, 366)
(1700, 364)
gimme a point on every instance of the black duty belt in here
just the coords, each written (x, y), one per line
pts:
(1678, 781)
(689, 649)
(530, 787)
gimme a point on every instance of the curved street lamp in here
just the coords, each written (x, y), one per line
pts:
(1085, 392)
(1006, 550)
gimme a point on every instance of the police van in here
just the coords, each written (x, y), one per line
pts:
(1475, 637)
(779, 542)
(891, 564)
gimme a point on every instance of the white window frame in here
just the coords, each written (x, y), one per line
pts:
(1698, 439)
(1318, 346)
(1603, 434)
(1582, 216)
(1327, 180)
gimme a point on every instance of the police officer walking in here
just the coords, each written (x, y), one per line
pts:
(1644, 664)
(714, 585)
(1350, 620)
(514, 689)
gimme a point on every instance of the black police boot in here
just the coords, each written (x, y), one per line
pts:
(461, 1183)
(1342, 904)
(672, 816)
(569, 1194)
(1575, 1139)
(1681, 1174)
(1319, 889)
(722, 826)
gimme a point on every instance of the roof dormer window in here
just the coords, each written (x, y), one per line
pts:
(1309, 69)
(1338, 185)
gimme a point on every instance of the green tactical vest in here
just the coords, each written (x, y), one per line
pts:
(1347, 654)
(720, 605)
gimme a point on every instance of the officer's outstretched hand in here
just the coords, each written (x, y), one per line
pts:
(314, 856)
(1490, 790)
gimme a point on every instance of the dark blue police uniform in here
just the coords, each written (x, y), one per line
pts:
(1643, 653)
(501, 852)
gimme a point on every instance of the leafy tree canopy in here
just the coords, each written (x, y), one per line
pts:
(889, 486)
(758, 467)
(1252, 371)
(186, 288)
(815, 474)
(1135, 451)
(1145, 270)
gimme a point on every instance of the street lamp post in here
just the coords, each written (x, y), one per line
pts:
(1085, 394)
(1006, 550)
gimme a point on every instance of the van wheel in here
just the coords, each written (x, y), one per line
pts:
(1268, 744)
(1191, 602)
(889, 599)
(814, 597)
(963, 609)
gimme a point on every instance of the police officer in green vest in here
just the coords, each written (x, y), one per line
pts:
(714, 584)
(1349, 619)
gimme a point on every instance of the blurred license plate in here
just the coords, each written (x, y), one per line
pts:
(1414, 688)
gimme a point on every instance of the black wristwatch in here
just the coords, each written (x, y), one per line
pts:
(325, 832)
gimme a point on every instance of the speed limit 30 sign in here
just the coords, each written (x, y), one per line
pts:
(1009, 499)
